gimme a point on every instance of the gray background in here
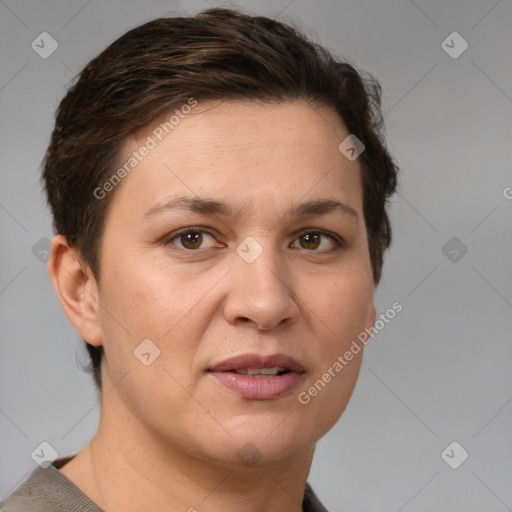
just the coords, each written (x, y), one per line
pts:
(439, 372)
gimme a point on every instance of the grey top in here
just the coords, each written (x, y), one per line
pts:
(48, 490)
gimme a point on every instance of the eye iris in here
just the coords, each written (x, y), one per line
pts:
(312, 240)
(191, 240)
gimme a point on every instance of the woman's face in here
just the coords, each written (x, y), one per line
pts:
(274, 272)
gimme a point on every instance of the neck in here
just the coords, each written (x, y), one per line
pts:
(125, 468)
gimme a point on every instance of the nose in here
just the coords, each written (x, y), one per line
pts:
(260, 295)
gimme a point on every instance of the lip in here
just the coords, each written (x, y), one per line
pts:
(258, 388)
(258, 361)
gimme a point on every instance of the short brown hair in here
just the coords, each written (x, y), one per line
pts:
(216, 54)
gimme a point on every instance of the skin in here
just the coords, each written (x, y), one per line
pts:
(169, 433)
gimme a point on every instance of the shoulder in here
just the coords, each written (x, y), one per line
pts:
(47, 489)
(311, 503)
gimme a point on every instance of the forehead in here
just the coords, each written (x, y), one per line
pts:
(244, 150)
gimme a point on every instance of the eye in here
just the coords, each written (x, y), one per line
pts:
(312, 240)
(189, 239)
(193, 238)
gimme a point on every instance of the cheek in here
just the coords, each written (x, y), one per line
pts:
(348, 312)
(146, 300)
(155, 302)
(344, 310)
(136, 306)
(331, 398)
(326, 393)
(346, 304)
(142, 303)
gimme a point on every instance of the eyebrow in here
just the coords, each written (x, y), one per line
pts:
(214, 207)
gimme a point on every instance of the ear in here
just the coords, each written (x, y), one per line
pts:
(371, 316)
(76, 289)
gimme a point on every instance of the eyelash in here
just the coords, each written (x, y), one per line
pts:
(339, 243)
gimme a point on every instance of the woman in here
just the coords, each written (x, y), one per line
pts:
(218, 185)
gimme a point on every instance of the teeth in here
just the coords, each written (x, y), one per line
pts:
(255, 372)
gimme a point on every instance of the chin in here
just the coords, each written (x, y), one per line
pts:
(264, 440)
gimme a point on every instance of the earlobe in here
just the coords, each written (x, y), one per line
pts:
(76, 289)
(371, 316)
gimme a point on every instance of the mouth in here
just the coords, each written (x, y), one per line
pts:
(258, 377)
(258, 373)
